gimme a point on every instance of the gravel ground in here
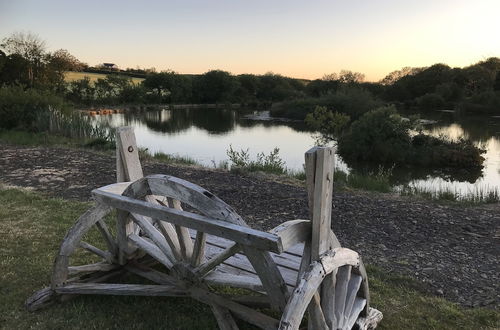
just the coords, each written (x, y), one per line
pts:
(452, 249)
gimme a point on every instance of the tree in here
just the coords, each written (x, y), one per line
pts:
(160, 84)
(349, 77)
(58, 63)
(30, 47)
(216, 86)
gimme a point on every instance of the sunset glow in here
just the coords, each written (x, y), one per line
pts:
(293, 38)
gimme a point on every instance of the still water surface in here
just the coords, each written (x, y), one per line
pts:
(206, 134)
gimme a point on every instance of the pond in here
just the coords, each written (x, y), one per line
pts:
(206, 134)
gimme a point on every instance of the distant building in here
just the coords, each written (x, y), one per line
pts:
(110, 66)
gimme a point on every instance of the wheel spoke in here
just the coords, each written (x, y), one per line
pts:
(154, 235)
(106, 255)
(97, 267)
(199, 249)
(110, 241)
(343, 276)
(352, 290)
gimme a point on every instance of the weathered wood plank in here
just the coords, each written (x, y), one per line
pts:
(240, 281)
(154, 235)
(239, 234)
(359, 304)
(217, 259)
(129, 154)
(110, 241)
(322, 201)
(343, 277)
(198, 255)
(370, 321)
(97, 267)
(302, 295)
(270, 276)
(106, 255)
(352, 290)
(245, 313)
(328, 299)
(151, 249)
(124, 227)
(293, 232)
(195, 196)
(121, 289)
(224, 318)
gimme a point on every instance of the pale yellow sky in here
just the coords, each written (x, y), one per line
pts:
(294, 38)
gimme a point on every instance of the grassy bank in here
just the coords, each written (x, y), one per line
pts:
(32, 227)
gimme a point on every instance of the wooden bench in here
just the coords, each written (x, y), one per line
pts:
(188, 241)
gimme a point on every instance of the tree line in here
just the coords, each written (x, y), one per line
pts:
(25, 61)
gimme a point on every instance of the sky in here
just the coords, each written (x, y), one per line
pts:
(301, 39)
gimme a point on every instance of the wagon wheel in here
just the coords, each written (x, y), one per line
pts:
(333, 290)
(77, 258)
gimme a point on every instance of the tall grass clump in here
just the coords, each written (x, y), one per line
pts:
(272, 163)
(479, 195)
(162, 157)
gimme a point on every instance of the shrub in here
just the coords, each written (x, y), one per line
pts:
(430, 101)
(329, 123)
(380, 135)
(19, 108)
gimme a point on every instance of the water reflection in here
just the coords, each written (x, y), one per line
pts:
(205, 134)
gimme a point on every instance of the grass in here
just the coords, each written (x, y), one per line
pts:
(479, 195)
(144, 154)
(73, 76)
(48, 139)
(32, 227)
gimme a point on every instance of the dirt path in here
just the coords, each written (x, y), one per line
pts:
(453, 249)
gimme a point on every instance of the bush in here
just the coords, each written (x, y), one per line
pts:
(329, 123)
(380, 135)
(430, 101)
(19, 108)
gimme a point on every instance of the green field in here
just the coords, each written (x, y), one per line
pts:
(73, 76)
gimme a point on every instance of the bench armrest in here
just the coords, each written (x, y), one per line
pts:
(293, 232)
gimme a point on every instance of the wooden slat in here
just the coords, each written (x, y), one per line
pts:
(352, 290)
(155, 236)
(110, 241)
(124, 227)
(343, 276)
(245, 313)
(195, 196)
(198, 255)
(293, 232)
(302, 295)
(359, 304)
(103, 254)
(185, 242)
(224, 318)
(151, 249)
(239, 234)
(239, 281)
(270, 276)
(121, 289)
(217, 259)
(129, 154)
(97, 267)
(328, 299)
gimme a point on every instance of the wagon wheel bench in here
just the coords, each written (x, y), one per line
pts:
(296, 267)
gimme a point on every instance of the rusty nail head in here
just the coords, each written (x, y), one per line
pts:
(130, 149)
